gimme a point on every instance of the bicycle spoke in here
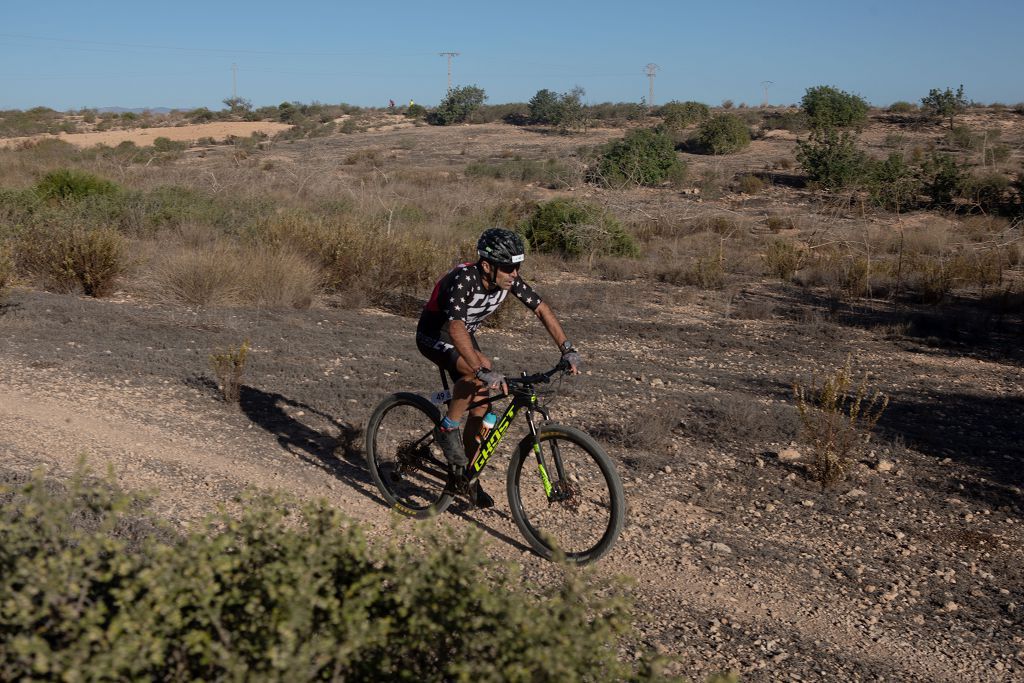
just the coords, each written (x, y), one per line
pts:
(410, 465)
(581, 513)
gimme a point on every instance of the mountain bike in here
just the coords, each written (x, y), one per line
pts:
(571, 504)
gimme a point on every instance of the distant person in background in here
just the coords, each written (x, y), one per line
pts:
(391, 105)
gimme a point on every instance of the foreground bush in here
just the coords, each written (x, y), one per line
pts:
(723, 134)
(574, 229)
(643, 157)
(284, 591)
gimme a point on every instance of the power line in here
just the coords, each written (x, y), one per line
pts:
(651, 69)
(449, 55)
(765, 84)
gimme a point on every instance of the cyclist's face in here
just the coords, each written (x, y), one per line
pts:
(504, 276)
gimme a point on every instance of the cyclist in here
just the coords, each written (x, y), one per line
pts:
(446, 334)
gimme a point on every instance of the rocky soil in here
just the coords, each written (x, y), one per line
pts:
(910, 570)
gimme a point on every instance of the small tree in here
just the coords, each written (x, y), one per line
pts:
(893, 183)
(564, 111)
(458, 105)
(574, 229)
(828, 107)
(544, 107)
(238, 105)
(643, 157)
(831, 158)
(679, 115)
(723, 134)
(943, 104)
(943, 178)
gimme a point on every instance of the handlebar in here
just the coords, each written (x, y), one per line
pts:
(540, 377)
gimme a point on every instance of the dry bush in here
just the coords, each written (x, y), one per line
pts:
(750, 184)
(227, 274)
(229, 366)
(782, 258)
(619, 268)
(206, 276)
(697, 260)
(838, 413)
(6, 267)
(72, 258)
(355, 259)
(780, 223)
(280, 278)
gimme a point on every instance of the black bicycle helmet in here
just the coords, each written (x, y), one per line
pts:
(501, 246)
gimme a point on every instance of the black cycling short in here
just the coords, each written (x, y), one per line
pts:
(441, 352)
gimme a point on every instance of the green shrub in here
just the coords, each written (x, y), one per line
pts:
(544, 107)
(67, 258)
(943, 178)
(166, 145)
(643, 157)
(831, 158)
(416, 111)
(574, 229)
(723, 134)
(457, 105)
(828, 107)
(793, 121)
(944, 104)
(678, 115)
(962, 137)
(69, 183)
(902, 107)
(893, 183)
(94, 588)
(988, 191)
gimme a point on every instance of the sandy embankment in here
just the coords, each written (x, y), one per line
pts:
(145, 136)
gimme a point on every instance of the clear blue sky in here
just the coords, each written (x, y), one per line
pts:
(68, 55)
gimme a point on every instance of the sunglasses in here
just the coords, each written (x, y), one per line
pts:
(508, 267)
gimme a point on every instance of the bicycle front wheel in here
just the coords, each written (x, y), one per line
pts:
(404, 461)
(575, 506)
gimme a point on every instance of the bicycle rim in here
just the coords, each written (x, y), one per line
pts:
(583, 522)
(404, 462)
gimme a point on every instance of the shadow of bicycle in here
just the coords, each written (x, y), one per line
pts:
(312, 435)
(308, 433)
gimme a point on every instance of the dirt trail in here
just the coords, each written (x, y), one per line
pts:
(190, 458)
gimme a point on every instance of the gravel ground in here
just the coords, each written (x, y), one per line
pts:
(909, 570)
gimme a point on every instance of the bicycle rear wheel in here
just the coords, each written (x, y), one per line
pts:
(587, 509)
(405, 463)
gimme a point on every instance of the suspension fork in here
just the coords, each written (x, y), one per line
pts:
(551, 490)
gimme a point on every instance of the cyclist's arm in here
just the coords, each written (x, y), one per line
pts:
(464, 344)
(551, 324)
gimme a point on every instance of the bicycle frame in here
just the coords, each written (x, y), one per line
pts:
(524, 396)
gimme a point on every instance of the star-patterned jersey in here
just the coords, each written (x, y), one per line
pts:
(460, 295)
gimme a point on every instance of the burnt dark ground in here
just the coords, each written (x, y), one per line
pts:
(708, 383)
